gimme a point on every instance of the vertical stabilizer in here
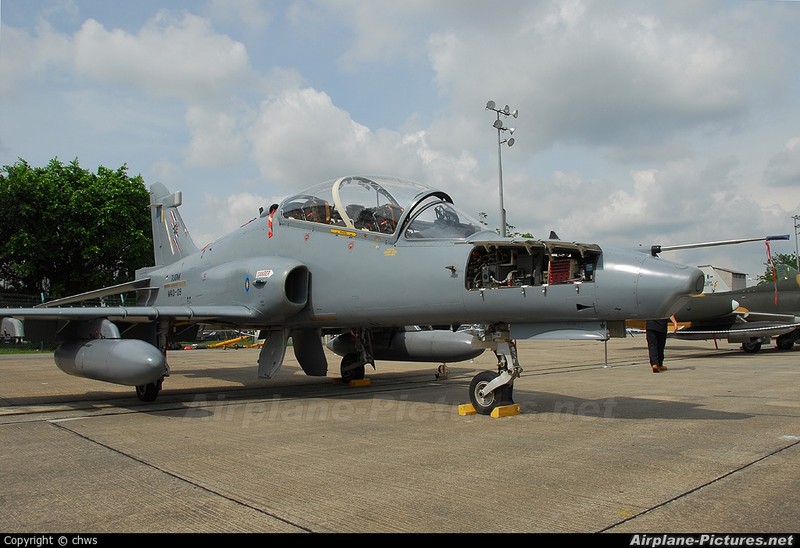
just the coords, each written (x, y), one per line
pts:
(714, 282)
(171, 239)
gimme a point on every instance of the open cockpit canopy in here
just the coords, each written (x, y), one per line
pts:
(385, 205)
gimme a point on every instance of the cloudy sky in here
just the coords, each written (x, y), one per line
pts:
(639, 122)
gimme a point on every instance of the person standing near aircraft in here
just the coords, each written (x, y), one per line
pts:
(656, 333)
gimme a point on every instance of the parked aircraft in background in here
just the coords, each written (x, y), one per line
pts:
(361, 257)
(750, 316)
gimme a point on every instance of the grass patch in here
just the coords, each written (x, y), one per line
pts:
(24, 348)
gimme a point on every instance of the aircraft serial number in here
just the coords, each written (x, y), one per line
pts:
(174, 292)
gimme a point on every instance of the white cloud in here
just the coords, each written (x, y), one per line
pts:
(249, 13)
(581, 75)
(217, 137)
(301, 138)
(225, 214)
(170, 57)
(784, 168)
(23, 56)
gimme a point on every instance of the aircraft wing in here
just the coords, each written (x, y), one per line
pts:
(222, 313)
(55, 309)
(737, 331)
(768, 317)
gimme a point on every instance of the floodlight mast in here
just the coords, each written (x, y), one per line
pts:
(796, 227)
(500, 127)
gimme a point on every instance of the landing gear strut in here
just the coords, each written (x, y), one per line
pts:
(160, 339)
(353, 366)
(488, 389)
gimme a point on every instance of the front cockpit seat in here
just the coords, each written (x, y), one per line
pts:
(386, 218)
(366, 220)
(317, 210)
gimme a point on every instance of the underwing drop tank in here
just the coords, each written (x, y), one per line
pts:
(129, 362)
(414, 346)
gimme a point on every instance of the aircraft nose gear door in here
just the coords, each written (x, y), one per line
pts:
(488, 389)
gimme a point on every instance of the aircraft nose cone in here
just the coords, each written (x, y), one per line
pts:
(666, 286)
(641, 286)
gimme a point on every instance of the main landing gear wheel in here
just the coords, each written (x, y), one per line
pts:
(148, 392)
(751, 347)
(785, 342)
(351, 369)
(485, 404)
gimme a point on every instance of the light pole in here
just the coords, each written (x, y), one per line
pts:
(498, 125)
(796, 226)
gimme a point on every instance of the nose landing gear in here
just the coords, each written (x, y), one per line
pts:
(489, 390)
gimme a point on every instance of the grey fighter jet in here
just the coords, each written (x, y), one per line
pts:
(359, 259)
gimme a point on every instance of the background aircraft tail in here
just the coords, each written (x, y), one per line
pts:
(171, 239)
(714, 283)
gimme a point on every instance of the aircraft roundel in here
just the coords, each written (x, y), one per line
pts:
(247, 284)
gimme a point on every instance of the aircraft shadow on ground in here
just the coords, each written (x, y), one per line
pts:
(617, 407)
(242, 385)
(452, 392)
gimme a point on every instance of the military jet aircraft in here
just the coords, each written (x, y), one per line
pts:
(362, 258)
(750, 316)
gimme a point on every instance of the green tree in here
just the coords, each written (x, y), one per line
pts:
(65, 230)
(785, 265)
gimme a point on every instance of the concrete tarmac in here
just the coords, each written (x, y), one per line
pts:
(601, 445)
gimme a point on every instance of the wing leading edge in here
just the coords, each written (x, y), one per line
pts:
(226, 314)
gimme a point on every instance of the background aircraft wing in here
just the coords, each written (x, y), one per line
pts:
(736, 331)
(749, 317)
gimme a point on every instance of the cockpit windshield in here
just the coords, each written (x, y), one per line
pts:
(381, 205)
(436, 218)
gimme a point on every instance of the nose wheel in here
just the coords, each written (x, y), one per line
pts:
(489, 389)
(485, 402)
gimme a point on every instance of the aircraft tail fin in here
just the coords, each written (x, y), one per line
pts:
(171, 239)
(714, 283)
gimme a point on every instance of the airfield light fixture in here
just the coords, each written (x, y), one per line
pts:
(500, 127)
